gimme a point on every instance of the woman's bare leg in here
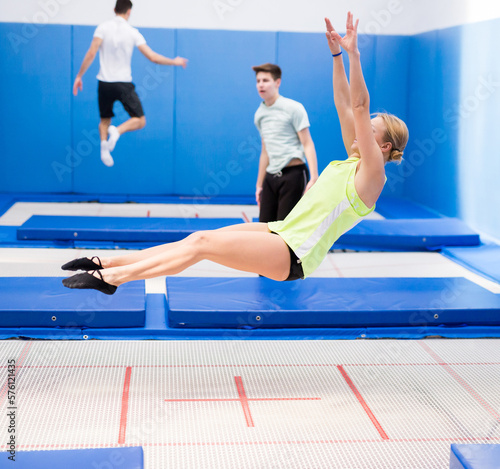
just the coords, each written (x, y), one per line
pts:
(134, 257)
(254, 251)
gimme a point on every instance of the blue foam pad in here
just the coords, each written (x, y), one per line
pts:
(414, 234)
(484, 259)
(42, 227)
(35, 301)
(427, 233)
(329, 302)
(124, 458)
(395, 207)
(474, 456)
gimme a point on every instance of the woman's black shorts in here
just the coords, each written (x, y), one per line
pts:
(296, 271)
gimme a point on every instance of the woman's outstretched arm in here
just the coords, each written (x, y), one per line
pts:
(371, 175)
(341, 92)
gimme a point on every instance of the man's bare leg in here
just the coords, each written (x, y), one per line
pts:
(103, 128)
(134, 123)
(106, 157)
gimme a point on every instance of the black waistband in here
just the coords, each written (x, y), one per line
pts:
(288, 169)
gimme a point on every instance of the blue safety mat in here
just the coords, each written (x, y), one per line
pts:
(409, 234)
(474, 456)
(124, 458)
(395, 207)
(156, 328)
(484, 259)
(45, 302)
(329, 302)
(41, 227)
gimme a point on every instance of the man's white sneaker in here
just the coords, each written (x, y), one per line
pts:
(106, 157)
(114, 135)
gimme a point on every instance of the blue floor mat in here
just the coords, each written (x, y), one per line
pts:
(407, 234)
(45, 302)
(484, 259)
(474, 456)
(395, 207)
(124, 458)
(161, 230)
(329, 302)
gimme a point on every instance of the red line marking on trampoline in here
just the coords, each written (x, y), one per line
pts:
(149, 213)
(19, 364)
(461, 381)
(257, 443)
(125, 397)
(363, 403)
(297, 365)
(245, 217)
(244, 400)
(336, 267)
(248, 399)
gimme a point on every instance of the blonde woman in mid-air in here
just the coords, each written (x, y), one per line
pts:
(292, 248)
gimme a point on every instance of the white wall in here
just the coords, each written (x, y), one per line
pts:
(400, 17)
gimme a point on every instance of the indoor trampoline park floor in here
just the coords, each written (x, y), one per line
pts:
(239, 403)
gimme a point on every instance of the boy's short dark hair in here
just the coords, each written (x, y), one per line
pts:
(122, 6)
(273, 69)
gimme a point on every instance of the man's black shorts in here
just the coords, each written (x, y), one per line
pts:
(108, 93)
(281, 192)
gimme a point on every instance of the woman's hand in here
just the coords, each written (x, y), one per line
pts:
(350, 41)
(332, 40)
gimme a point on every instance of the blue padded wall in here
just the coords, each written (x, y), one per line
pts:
(200, 138)
(452, 165)
(430, 168)
(476, 117)
(309, 81)
(389, 92)
(217, 145)
(143, 159)
(35, 92)
(389, 85)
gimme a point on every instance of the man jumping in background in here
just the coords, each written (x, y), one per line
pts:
(115, 41)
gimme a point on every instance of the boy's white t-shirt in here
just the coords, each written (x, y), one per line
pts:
(115, 53)
(278, 126)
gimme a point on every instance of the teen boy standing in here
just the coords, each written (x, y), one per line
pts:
(286, 145)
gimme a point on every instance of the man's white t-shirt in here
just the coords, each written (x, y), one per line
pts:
(115, 53)
(278, 126)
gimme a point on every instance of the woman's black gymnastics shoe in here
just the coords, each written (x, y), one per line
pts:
(88, 281)
(84, 263)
